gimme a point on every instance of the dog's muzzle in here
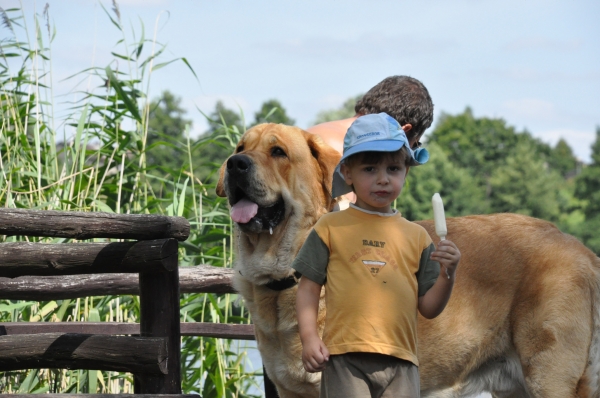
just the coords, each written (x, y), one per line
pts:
(244, 191)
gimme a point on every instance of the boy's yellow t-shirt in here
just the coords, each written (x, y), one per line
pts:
(371, 281)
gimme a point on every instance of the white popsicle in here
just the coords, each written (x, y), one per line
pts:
(439, 218)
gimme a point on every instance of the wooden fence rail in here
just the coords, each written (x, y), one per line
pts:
(25, 258)
(154, 258)
(198, 279)
(83, 351)
(205, 329)
(106, 395)
(42, 272)
(82, 225)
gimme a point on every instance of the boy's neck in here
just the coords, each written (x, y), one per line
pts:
(378, 213)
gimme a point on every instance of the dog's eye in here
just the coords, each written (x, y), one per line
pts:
(276, 151)
(239, 149)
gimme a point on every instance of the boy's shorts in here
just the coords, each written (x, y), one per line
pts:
(360, 374)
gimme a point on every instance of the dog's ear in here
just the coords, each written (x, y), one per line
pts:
(327, 158)
(220, 184)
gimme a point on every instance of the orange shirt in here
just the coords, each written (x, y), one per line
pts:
(371, 288)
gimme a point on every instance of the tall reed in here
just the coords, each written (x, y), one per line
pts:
(94, 159)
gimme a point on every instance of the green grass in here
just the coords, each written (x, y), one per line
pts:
(94, 159)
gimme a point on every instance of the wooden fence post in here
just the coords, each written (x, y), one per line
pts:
(159, 317)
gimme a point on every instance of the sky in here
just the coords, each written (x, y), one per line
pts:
(534, 63)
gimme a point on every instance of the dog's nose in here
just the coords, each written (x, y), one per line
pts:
(239, 163)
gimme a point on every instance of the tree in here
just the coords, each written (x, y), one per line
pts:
(166, 127)
(525, 185)
(587, 184)
(477, 144)
(456, 185)
(216, 144)
(344, 112)
(587, 189)
(272, 111)
(514, 171)
(222, 118)
(561, 158)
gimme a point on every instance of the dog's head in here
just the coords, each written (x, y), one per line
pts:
(278, 183)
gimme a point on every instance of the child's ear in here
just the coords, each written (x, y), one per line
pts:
(345, 170)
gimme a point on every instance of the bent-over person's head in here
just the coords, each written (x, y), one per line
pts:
(405, 99)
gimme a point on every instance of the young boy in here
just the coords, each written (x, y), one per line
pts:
(404, 98)
(377, 268)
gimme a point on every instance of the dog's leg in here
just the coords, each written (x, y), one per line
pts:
(552, 330)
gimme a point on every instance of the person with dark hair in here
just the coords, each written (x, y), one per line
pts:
(378, 269)
(404, 98)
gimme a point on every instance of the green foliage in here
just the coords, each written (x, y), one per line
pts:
(587, 190)
(477, 144)
(587, 231)
(166, 133)
(455, 184)
(223, 118)
(481, 165)
(562, 159)
(216, 144)
(525, 185)
(97, 161)
(272, 111)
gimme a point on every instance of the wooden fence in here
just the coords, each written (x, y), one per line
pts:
(146, 267)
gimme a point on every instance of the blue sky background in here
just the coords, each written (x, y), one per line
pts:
(534, 63)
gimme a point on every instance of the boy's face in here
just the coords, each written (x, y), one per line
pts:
(376, 185)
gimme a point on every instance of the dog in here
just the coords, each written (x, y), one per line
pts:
(523, 319)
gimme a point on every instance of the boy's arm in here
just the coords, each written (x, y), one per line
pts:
(432, 303)
(314, 352)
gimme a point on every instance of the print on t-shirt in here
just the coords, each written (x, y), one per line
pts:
(374, 266)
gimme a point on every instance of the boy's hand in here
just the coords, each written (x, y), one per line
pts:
(314, 354)
(448, 255)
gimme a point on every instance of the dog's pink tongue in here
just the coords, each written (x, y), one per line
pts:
(243, 211)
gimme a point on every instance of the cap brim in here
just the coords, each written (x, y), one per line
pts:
(374, 146)
(339, 187)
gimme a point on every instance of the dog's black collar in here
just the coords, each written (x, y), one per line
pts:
(285, 283)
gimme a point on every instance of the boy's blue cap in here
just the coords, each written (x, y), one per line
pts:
(376, 132)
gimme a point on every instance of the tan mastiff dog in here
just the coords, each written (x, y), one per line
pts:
(524, 317)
